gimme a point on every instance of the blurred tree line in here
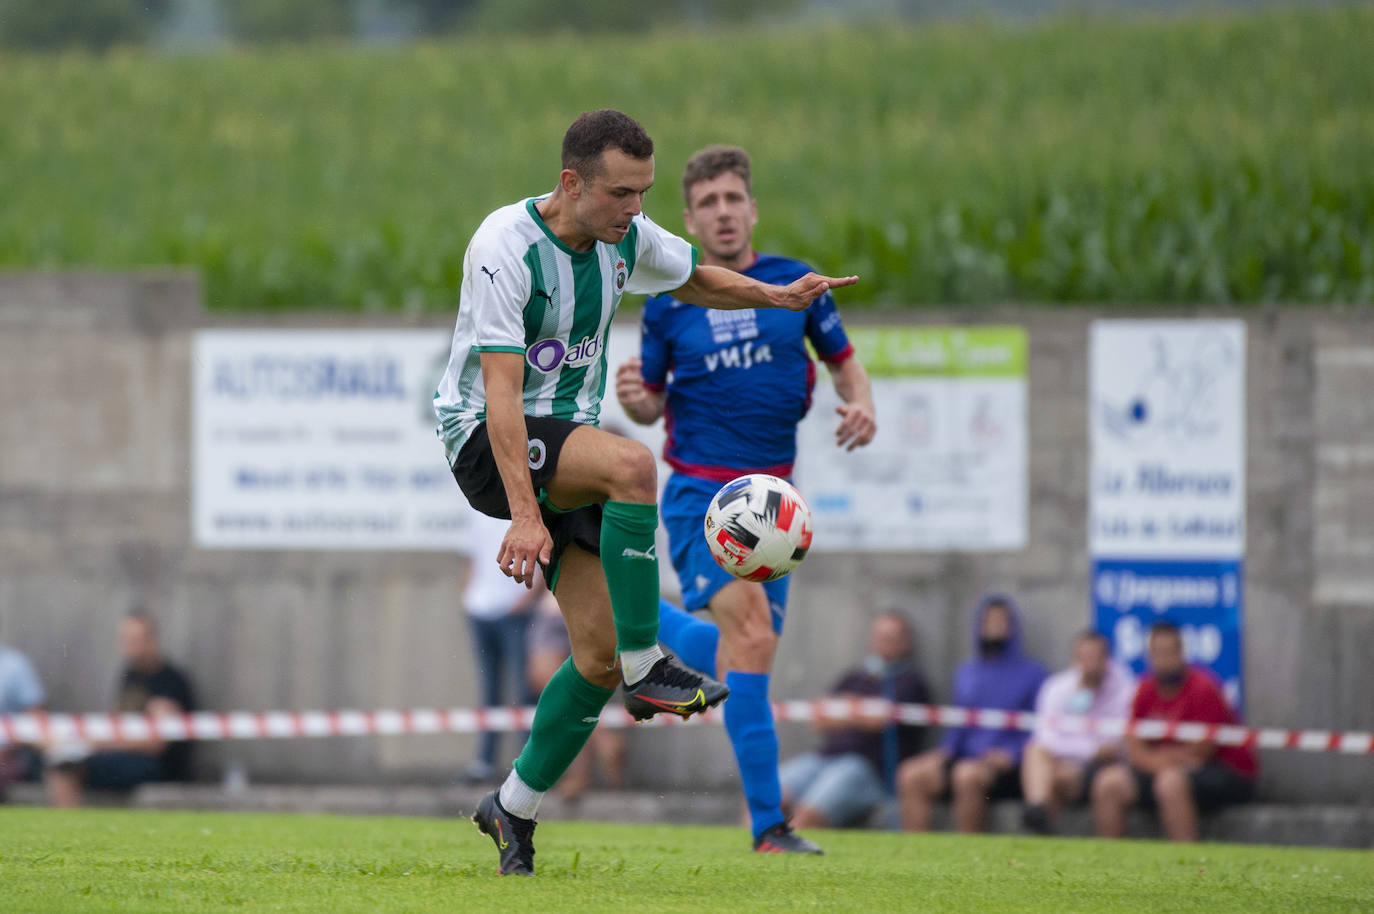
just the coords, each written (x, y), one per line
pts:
(101, 24)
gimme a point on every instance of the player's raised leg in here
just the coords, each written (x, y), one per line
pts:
(597, 465)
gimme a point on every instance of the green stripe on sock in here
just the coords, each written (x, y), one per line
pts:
(565, 716)
(631, 567)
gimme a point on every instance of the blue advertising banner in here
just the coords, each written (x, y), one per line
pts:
(1203, 598)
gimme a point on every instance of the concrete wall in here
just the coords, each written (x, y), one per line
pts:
(95, 518)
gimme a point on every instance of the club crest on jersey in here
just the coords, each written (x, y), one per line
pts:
(551, 354)
(621, 275)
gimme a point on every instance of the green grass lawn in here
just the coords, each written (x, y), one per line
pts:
(115, 860)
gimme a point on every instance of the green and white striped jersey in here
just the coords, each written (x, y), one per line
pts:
(525, 291)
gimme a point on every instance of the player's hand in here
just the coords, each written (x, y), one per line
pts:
(799, 295)
(857, 425)
(642, 404)
(629, 383)
(527, 543)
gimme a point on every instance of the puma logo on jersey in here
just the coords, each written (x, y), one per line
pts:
(540, 293)
(648, 554)
(491, 274)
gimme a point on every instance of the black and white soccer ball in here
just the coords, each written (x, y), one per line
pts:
(758, 527)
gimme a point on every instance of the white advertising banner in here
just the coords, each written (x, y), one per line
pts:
(1167, 431)
(321, 439)
(1166, 505)
(948, 468)
(324, 439)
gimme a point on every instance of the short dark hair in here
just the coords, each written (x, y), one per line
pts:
(141, 614)
(596, 131)
(1164, 627)
(1092, 634)
(712, 162)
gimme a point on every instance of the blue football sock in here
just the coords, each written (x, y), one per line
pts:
(749, 721)
(693, 640)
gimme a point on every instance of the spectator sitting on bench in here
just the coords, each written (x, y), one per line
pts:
(976, 764)
(853, 772)
(1059, 763)
(20, 691)
(148, 685)
(1178, 779)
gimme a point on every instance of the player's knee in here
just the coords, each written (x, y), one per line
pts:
(753, 649)
(636, 474)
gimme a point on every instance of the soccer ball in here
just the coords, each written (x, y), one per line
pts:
(758, 527)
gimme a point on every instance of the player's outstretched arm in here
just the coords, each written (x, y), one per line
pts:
(717, 287)
(643, 405)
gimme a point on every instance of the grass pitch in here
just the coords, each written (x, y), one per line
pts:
(116, 860)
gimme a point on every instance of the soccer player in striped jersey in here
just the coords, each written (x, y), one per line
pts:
(732, 387)
(517, 411)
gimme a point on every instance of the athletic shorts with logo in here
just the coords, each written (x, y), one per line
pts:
(683, 510)
(480, 479)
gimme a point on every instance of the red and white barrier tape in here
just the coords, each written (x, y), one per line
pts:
(223, 725)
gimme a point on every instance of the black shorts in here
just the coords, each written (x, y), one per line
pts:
(1214, 785)
(480, 479)
(1090, 772)
(1006, 786)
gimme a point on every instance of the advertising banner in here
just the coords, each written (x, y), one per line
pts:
(1166, 515)
(948, 468)
(321, 439)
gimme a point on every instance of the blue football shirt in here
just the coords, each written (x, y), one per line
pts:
(738, 382)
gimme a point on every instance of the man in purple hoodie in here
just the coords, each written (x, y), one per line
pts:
(973, 764)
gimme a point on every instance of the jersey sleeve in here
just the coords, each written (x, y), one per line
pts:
(653, 346)
(496, 286)
(825, 330)
(663, 261)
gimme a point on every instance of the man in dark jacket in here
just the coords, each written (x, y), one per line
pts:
(148, 685)
(977, 764)
(852, 773)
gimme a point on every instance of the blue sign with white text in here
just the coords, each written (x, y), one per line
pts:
(1203, 598)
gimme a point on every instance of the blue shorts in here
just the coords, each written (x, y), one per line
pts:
(122, 770)
(683, 511)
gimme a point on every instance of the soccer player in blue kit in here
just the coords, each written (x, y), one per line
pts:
(731, 388)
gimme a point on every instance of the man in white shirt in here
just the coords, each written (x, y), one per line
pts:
(499, 612)
(1060, 761)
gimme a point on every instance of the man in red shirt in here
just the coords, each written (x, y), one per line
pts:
(1177, 778)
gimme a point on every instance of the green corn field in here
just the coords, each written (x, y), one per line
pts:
(1226, 157)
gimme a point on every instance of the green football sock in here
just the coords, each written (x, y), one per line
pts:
(565, 716)
(627, 557)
